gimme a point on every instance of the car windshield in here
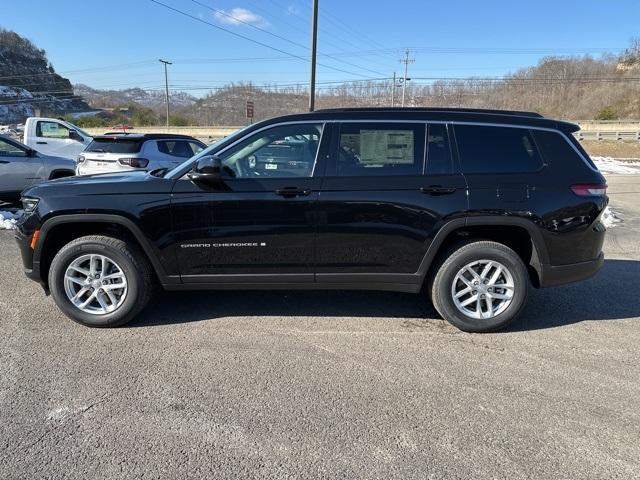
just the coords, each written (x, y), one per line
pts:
(115, 145)
(207, 151)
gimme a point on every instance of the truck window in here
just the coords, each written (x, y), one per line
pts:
(46, 129)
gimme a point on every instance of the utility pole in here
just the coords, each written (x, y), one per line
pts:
(406, 62)
(166, 86)
(314, 41)
(393, 91)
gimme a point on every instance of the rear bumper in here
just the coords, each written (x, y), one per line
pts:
(552, 275)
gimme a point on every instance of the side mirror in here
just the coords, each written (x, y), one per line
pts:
(73, 135)
(207, 170)
(32, 153)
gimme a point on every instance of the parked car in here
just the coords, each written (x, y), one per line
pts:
(52, 136)
(470, 207)
(22, 167)
(117, 152)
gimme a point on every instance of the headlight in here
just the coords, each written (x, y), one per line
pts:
(29, 204)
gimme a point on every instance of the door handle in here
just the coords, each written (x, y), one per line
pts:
(292, 192)
(4, 161)
(41, 143)
(437, 190)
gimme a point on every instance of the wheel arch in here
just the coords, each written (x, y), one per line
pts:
(61, 173)
(519, 234)
(55, 233)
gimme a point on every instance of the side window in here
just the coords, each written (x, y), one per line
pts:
(555, 149)
(487, 149)
(438, 150)
(175, 148)
(51, 130)
(196, 147)
(9, 150)
(380, 149)
(282, 151)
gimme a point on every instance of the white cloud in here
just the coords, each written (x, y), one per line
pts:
(293, 10)
(241, 16)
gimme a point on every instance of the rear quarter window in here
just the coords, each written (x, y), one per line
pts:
(489, 149)
(114, 145)
(556, 150)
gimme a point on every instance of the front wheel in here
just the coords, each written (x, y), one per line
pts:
(481, 286)
(100, 281)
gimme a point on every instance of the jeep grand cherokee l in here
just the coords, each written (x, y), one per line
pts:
(471, 207)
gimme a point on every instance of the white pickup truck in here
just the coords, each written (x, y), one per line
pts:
(55, 137)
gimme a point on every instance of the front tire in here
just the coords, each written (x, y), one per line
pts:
(481, 286)
(100, 281)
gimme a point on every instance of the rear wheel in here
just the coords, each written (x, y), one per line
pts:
(481, 286)
(100, 281)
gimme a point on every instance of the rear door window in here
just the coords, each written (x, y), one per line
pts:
(114, 145)
(380, 149)
(489, 149)
(438, 150)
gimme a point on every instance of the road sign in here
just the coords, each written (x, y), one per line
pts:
(249, 109)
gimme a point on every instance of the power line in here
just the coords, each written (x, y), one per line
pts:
(275, 35)
(249, 39)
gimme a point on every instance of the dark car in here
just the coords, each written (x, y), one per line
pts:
(471, 207)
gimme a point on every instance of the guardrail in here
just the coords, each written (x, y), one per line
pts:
(606, 135)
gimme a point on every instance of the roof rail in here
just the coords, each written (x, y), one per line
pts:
(485, 111)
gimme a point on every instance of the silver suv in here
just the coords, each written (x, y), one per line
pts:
(22, 167)
(121, 152)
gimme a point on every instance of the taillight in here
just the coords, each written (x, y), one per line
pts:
(589, 189)
(134, 162)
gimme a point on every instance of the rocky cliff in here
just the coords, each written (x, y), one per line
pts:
(28, 82)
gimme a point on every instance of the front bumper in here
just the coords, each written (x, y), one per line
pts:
(552, 275)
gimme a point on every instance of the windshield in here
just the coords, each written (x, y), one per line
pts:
(115, 145)
(208, 151)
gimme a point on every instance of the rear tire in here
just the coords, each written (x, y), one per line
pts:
(480, 286)
(113, 276)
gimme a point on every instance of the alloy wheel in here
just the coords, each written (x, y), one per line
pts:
(95, 284)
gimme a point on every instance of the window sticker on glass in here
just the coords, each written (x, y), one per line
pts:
(386, 146)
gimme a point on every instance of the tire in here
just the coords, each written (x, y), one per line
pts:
(451, 279)
(123, 260)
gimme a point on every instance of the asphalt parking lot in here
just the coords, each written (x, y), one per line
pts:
(327, 384)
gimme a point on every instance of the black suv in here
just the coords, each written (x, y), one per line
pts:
(470, 206)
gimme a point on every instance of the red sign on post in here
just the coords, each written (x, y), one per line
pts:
(249, 109)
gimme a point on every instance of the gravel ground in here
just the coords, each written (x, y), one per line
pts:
(327, 384)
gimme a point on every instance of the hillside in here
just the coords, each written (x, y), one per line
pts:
(147, 98)
(578, 88)
(29, 82)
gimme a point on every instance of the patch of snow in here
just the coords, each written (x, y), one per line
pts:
(616, 166)
(9, 219)
(610, 218)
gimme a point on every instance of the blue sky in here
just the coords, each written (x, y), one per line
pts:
(116, 43)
